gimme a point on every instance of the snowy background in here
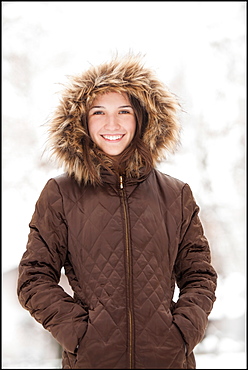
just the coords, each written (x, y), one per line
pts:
(199, 50)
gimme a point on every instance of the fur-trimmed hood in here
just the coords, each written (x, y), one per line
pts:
(68, 136)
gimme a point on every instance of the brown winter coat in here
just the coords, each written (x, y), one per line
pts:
(124, 244)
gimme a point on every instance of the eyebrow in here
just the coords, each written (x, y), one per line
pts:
(101, 106)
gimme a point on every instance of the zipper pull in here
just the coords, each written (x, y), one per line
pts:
(121, 182)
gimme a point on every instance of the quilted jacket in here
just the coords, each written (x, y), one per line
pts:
(124, 243)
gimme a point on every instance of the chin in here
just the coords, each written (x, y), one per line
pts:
(114, 154)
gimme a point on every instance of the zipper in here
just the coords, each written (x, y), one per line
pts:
(128, 263)
(121, 182)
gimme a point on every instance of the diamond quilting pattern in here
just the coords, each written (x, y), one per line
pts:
(98, 242)
(122, 253)
(97, 235)
(97, 239)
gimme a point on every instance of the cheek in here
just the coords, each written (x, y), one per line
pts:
(91, 127)
(133, 128)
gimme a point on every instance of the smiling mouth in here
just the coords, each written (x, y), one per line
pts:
(112, 137)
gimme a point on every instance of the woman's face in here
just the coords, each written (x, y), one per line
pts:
(112, 122)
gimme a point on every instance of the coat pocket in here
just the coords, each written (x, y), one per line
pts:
(175, 331)
(68, 360)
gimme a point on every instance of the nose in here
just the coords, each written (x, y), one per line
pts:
(111, 122)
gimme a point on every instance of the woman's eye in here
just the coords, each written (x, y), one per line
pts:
(124, 112)
(97, 112)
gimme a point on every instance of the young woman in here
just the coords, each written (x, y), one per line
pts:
(124, 232)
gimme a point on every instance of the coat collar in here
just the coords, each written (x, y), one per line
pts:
(129, 183)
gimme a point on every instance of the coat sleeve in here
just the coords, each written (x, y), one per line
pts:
(196, 278)
(38, 286)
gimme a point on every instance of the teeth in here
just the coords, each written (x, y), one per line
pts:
(112, 137)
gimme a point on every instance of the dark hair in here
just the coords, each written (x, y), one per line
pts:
(125, 160)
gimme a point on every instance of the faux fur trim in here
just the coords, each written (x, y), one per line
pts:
(67, 136)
